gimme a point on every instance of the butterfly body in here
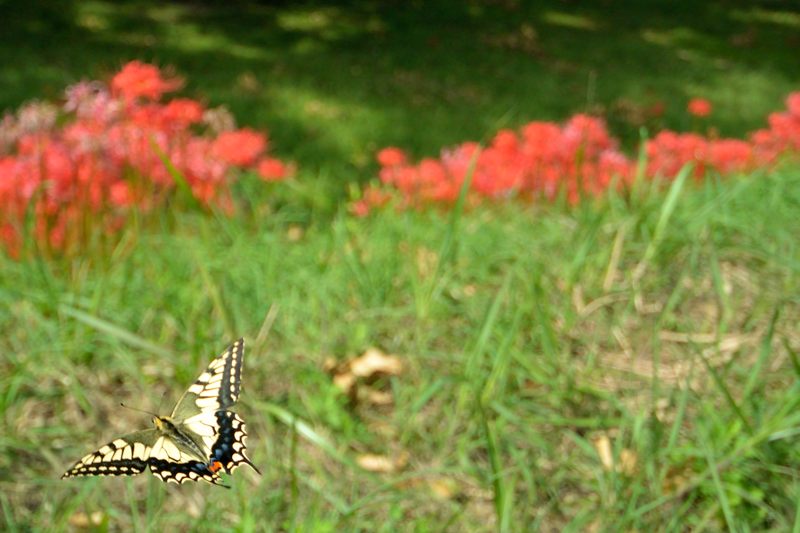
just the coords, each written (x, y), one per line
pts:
(199, 439)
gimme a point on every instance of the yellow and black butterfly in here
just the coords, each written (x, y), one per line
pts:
(201, 437)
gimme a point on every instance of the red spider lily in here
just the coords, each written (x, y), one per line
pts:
(372, 198)
(579, 158)
(140, 80)
(699, 107)
(538, 160)
(271, 169)
(102, 153)
(240, 147)
(391, 156)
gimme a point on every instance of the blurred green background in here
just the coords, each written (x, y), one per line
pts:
(627, 364)
(334, 81)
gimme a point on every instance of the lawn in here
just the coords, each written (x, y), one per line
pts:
(625, 364)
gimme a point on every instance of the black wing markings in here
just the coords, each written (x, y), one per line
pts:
(228, 452)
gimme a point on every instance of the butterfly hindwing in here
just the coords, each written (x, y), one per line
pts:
(228, 452)
(182, 472)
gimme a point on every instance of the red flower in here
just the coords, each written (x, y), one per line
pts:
(241, 147)
(699, 107)
(271, 169)
(120, 194)
(137, 79)
(793, 104)
(103, 150)
(182, 112)
(372, 197)
(391, 157)
(11, 240)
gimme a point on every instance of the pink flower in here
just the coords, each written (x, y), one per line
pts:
(699, 107)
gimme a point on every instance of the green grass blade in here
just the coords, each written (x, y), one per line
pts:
(721, 495)
(667, 209)
(121, 334)
(306, 431)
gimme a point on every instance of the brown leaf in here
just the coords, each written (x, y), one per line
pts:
(357, 377)
(628, 459)
(294, 233)
(443, 488)
(374, 362)
(381, 463)
(628, 462)
(380, 398)
(83, 520)
(603, 446)
(427, 260)
(345, 382)
(675, 479)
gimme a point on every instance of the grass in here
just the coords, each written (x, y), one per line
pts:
(629, 364)
(626, 365)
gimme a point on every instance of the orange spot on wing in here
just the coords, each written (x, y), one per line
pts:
(215, 466)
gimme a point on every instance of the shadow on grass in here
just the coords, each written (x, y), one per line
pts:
(334, 81)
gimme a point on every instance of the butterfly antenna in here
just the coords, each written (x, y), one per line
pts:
(161, 401)
(136, 409)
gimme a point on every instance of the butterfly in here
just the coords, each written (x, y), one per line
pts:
(199, 439)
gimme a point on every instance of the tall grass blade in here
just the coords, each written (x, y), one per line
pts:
(667, 209)
(722, 497)
(113, 330)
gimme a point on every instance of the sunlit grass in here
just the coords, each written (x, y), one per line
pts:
(625, 365)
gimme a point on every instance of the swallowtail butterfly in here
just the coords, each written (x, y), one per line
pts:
(200, 438)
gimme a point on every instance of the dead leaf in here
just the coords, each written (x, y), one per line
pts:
(603, 446)
(357, 377)
(443, 488)
(374, 363)
(381, 463)
(330, 364)
(380, 398)
(294, 233)
(675, 479)
(345, 382)
(83, 520)
(628, 459)
(427, 261)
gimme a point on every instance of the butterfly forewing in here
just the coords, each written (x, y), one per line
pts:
(126, 455)
(217, 387)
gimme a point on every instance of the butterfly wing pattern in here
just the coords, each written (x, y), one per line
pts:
(200, 438)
